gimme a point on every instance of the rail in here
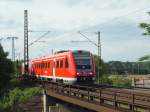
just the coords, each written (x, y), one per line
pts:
(115, 98)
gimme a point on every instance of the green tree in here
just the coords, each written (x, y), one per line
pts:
(102, 67)
(146, 27)
(116, 67)
(144, 58)
(6, 68)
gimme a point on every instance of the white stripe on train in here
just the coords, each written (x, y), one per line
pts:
(66, 80)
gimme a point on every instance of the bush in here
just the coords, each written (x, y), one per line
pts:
(18, 95)
(116, 81)
(105, 80)
(120, 81)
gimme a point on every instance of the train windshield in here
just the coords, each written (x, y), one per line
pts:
(83, 63)
(82, 60)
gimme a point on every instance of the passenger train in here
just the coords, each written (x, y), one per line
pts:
(64, 66)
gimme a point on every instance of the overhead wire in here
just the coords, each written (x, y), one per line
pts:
(119, 17)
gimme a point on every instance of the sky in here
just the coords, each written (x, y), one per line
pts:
(117, 20)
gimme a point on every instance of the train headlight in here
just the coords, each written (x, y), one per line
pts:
(78, 73)
(90, 73)
(93, 78)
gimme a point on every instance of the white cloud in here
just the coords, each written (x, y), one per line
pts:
(68, 16)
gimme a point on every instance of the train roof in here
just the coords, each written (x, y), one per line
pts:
(60, 53)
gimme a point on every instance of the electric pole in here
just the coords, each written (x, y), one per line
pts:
(13, 46)
(99, 57)
(26, 51)
(98, 45)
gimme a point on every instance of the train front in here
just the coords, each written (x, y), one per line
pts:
(85, 66)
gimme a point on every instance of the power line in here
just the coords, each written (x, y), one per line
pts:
(88, 38)
(119, 17)
(39, 38)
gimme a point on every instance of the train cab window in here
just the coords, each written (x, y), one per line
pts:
(61, 63)
(66, 63)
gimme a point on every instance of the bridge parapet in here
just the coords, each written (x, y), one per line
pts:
(99, 98)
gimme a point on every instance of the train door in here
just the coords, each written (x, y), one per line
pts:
(41, 70)
(66, 66)
(54, 70)
(30, 68)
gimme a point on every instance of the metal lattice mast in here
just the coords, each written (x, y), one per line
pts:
(26, 52)
(13, 46)
(99, 57)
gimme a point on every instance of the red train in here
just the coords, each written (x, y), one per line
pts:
(64, 66)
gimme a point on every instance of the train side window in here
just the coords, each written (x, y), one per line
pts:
(45, 65)
(54, 64)
(41, 65)
(48, 64)
(57, 64)
(66, 63)
(61, 63)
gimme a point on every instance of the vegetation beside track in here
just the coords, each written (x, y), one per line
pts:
(18, 93)
(116, 81)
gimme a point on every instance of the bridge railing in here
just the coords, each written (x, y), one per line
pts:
(118, 99)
